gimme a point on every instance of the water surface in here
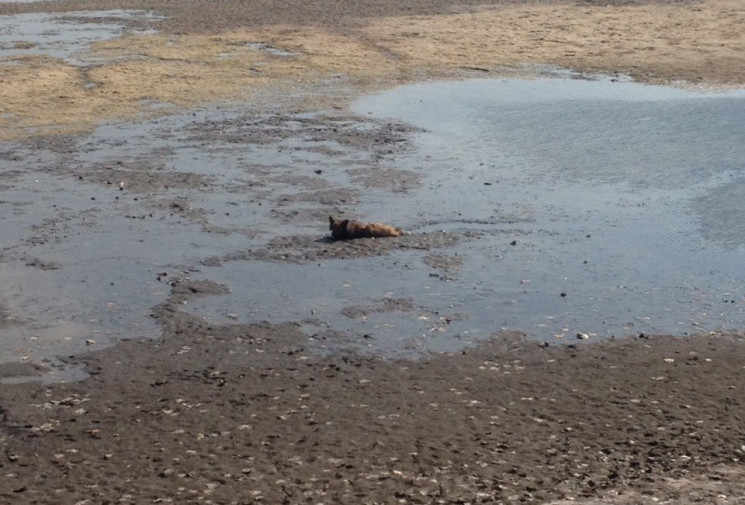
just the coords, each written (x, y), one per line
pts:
(586, 207)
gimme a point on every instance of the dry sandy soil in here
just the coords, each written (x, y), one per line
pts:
(211, 51)
(248, 414)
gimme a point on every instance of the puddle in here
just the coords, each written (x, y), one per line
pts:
(553, 206)
(65, 36)
(79, 266)
(603, 209)
(631, 190)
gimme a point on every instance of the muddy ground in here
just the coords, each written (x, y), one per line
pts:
(246, 414)
(237, 413)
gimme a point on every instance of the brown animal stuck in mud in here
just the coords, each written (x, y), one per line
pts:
(348, 230)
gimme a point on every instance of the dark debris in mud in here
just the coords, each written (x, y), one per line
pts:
(385, 305)
(143, 178)
(328, 197)
(41, 264)
(316, 131)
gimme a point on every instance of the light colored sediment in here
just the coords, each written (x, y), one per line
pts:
(696, 43)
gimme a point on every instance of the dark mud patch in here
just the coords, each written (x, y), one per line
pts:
(41, 264)
(180, 206)
(317, 133)
(332, 198)
(145, 179)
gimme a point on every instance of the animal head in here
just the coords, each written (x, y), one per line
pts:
(338, 228)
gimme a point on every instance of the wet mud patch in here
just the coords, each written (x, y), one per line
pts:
(20, 371)
(310, 248)
(386, 305)
(183, 289)
(331, 198)
(515, 230)
(41, 264)
(387, 178)
(376, 320)
(448, 264)
(139, 179)
(293, 214)
(292, 168)
(322, 133)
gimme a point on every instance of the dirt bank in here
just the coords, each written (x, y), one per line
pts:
(245, 414)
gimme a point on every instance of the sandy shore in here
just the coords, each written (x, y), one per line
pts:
(201, 53)
(248, 414)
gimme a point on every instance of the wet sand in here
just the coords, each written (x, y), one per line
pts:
(210, 413)
(246, 414)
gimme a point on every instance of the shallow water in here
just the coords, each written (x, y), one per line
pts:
(634, 191)
(604, 209)
(96, 227)
(589, 206)
(64, 36)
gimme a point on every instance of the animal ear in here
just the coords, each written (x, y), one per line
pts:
(345, 223)
(331, 220)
